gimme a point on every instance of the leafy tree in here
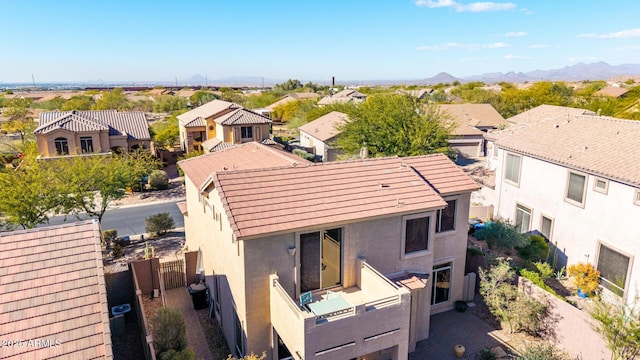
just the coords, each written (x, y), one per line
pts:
(113, 100)
(19, 120)
(291, 110)
(316, 112)
(501, 235)
(288, 85)
(53, 104)
(619, 325)
(159, 224)
(201, 97)
(517, 310)
(28, 195)
(92, 183)
(79, 102)
(228, 94)
(169, 331)
(167, 104)
(394, 124)
(259, 101)
(166, 133)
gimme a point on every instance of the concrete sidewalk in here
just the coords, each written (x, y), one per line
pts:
(451, 328)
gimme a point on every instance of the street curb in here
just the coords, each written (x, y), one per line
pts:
(178, 199)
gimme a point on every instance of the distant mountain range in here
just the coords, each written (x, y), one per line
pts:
(577, 72)
(581, 71)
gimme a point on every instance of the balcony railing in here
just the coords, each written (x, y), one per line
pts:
(355, 321)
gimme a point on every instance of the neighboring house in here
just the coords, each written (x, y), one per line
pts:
(470, 123)
(91, 132)
(335, 260)
(418, 94)
(612, 91)
(344, 96)
(321, 132)
(286, 99)
(53, 300)
(206, 127)
(574, 178)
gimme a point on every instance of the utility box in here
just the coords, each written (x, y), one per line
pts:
(469, 287)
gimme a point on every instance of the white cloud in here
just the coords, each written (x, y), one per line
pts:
(516, 57)
(516, 34)
(631, 33)
(538, 46)
(629, 47)
(471, 7)
(453, 45)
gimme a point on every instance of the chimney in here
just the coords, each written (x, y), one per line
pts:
(364, 152)
(333, 81)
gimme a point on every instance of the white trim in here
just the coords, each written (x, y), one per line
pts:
(433, 280)
(636, 197)
(584, 188)
(505, 167)
(599, 245)
(553, 222)
(604, 190)
(515, 218)
(455, 198)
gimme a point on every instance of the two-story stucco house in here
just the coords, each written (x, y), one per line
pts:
(574, 178)
(336, 260)
(91, 132)
(220, 124)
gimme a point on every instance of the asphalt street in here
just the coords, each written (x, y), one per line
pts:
(130, 220)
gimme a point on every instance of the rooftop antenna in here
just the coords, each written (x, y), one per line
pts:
(176, 81)
(33, 80)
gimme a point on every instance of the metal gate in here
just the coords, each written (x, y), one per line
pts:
(173, 274)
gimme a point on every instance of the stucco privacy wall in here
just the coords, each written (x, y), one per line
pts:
(571, 327)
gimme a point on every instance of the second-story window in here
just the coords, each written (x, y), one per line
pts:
(246, 132)
(446, 218)
(576, 186)
(512, 169)
(62, 146)
(86, 144)
(416, 237)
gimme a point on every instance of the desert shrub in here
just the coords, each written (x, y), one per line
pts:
(185, 354)
(168, 331)
(485, 354)
(500, 234)
(471, 251)
(298, 152)
(618, 322)
(516, 309)
(537, 279)
(585, 276)
(251, 356)
(309, 156)
(158, 180)
(536, 250)
(116, 251)
(109, 235)
(541, 352)
(544, 269)
(159, 224)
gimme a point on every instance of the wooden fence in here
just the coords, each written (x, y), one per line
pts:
(173, 274)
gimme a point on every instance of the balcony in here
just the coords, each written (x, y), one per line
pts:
(351, 322)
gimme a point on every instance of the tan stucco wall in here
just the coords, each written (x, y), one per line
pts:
(245, 266)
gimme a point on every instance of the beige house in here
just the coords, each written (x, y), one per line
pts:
(301, 96)
(91, 132)
(321, 132)
(470, 123)
(344, 96)
(342, 260)
(52, 294)
(220, 124)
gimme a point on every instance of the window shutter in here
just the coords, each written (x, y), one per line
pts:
(236, 135)
(257, 134)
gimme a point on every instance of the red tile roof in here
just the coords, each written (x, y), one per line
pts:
(132, 124)
(251, 155)
(325, 127)
(52, 288)
(263, 201)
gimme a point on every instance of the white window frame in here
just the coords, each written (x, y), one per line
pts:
(434, 277)
(599, 245)
(506, 179)
(530, 216)
(604, 190)
(430, 236)
(553, 221)
(494, 151)
(636, 197)
(584, 188)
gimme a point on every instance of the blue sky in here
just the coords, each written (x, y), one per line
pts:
(309, 40)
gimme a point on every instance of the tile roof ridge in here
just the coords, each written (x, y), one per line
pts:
(420, 176)
(225, 204)
(48, 227)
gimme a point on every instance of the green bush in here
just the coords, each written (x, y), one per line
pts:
(159, 224)
(186, 354)
(500, 234)
(536, 250)
(168, 331)
(541, 352)
(544, 269)
(535, 278)
(158, 180)
(310, 157)
(298, 152)
(109, 235)
(116, 251)
(485, 354)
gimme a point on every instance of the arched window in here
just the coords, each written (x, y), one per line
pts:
(62, 146)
